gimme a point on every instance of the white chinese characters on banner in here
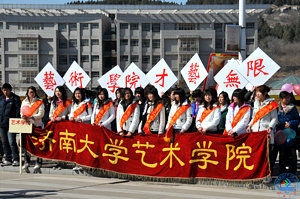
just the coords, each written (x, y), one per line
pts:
(132, 78)
(194, 72)
(161, 76)
(229, 78)
(109, 81)
(76, 77)
(258, 68)
(48, 79)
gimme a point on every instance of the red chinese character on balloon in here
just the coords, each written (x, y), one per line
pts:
(162, 78)
(112, 82)
(76, 78)
(131, 80)
(49, 81)
(193, 73)
(257, 68)
(232, 80)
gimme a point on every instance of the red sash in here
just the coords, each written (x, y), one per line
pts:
(264, 111)
(169, 134)
(238, 117)
(206, 112)
(151, 117)
(61, 108)
(128, 113)
(102, 112)
(81, 109)
(34, 107)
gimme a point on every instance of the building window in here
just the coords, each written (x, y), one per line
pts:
(95, 74)
(62, 60)
(84, 58)
(95, 42)
(72, 43)
(1, 27)
(28, 44)
(134, 58)
(84, 26)
(124, 58)
(62, 27)
(155, 43)
(72, 58)
(146, 43)
(0, 76)
(0, 61)
(123, 25)
(134, 26)
(27, 77)
(84, 42)
(134, 42)
(146, 59)
(95, 26)
(156, 27)
(218, 27)
(124, 42)
(184, 60)
(146, 27)
(30, 26)
(72, 26)
(155, 59)
(95, 57)
(188, 45)
(62, 43)
(249, 41)
(219, 43)
(28, 61)
(184, 26)
(250, 25)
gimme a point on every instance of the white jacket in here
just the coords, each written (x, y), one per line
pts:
(242, 125)
(38, 114)
(107, 118)
(64, 114)
(158, 124)
(133, 121)
(269, 120)
(86, 115)
(184, 121)
(211, 122)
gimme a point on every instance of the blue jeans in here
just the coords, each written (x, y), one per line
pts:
(9, 144)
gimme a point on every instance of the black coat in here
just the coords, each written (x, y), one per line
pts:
(9, 109)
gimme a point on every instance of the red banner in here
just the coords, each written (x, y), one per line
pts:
(190, 155)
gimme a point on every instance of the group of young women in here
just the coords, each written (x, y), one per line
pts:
(146, 112)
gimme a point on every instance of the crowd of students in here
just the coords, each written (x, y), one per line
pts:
(146, 112)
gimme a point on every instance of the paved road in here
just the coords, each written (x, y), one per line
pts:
(13, 185)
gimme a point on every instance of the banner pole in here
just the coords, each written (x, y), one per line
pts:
(20, 154)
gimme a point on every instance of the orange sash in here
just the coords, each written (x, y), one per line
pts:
(61, 108)
(240, 114)
(128, 113)
(102, 112)
(264, 111)
(34, 107)
(151, 117)
(81, 109)
(206, 112)
(169, 134)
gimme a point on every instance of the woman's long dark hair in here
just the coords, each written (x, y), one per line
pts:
(131, 93)
(153, 90)
(121, 91)
(182, 96)
(82, 92)
(214, 95)
(34, 90)
(106, 99)
(63, 95)
(225, 96)
(240, 94)
(140, 90)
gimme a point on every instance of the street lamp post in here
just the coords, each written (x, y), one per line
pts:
(242, 24)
